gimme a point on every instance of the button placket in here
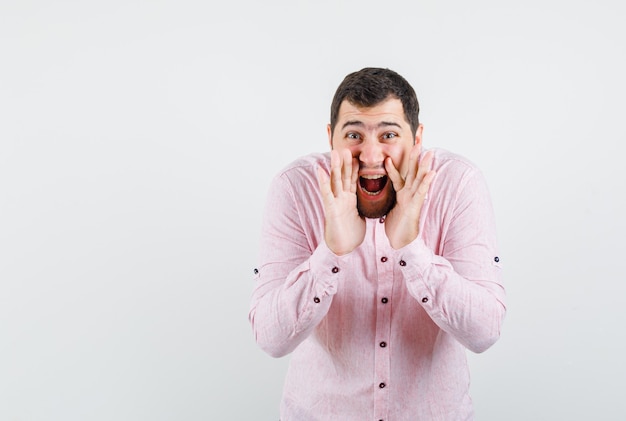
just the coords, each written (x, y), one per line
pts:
(386, 269)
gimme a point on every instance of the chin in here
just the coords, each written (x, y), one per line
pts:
(378, 209)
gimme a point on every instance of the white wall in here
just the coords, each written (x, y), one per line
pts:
(138, 139)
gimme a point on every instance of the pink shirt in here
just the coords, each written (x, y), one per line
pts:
(378, 334)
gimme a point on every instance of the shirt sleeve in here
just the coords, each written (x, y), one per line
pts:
(296, 279)
(461, 288)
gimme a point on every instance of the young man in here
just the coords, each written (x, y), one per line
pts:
(378, 267)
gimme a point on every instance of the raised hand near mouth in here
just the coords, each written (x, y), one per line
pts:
(344, 229)
(402, 223)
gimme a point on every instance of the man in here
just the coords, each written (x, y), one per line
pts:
(378, 267)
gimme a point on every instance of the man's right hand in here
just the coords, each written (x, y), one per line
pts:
(344, 229)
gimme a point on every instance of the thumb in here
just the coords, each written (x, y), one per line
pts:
(394, 174)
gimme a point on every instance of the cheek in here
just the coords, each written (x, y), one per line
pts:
(400, 159)
(354, 150)
(340, 146)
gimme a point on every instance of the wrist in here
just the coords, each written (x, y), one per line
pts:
(343, 238)
(401, 232)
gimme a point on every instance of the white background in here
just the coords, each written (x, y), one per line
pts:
(138, 139)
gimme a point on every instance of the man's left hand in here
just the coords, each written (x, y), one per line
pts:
(402, 222)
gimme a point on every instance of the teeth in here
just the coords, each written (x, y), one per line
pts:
(373, 176)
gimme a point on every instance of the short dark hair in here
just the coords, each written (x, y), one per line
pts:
(371, 86)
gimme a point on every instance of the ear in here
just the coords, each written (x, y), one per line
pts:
(418, 134)
(330, 136)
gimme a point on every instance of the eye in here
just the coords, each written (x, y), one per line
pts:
(389, 135)
(352, 136)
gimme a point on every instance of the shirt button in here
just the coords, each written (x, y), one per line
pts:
(382, 219)
(382, 385)
(384, 300)
(383, 344)
(402, 263)
(316, 300)
(335, 269)
(497, 259)
(256, 271)
(425, 299)
(383, 259)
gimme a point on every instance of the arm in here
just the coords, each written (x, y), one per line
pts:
(461, 289)
(295, 282)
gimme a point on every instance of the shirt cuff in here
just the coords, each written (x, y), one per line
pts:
(415, 260)
(327, 270)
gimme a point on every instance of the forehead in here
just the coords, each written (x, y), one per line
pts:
(390, 110)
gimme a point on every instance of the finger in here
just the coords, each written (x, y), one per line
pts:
(324, 182)
(413, 166)
(335, 172)
(424, 167)
(424, 186)
(394, 175)
(346, 172)
(355, 175)
(418, 197)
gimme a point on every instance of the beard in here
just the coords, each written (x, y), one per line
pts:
(379, 209)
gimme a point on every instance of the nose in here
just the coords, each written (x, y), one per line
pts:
(371, 154)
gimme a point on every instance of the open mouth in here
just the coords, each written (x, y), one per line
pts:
(373, 184)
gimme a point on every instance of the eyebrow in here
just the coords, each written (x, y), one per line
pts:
(360, 124)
